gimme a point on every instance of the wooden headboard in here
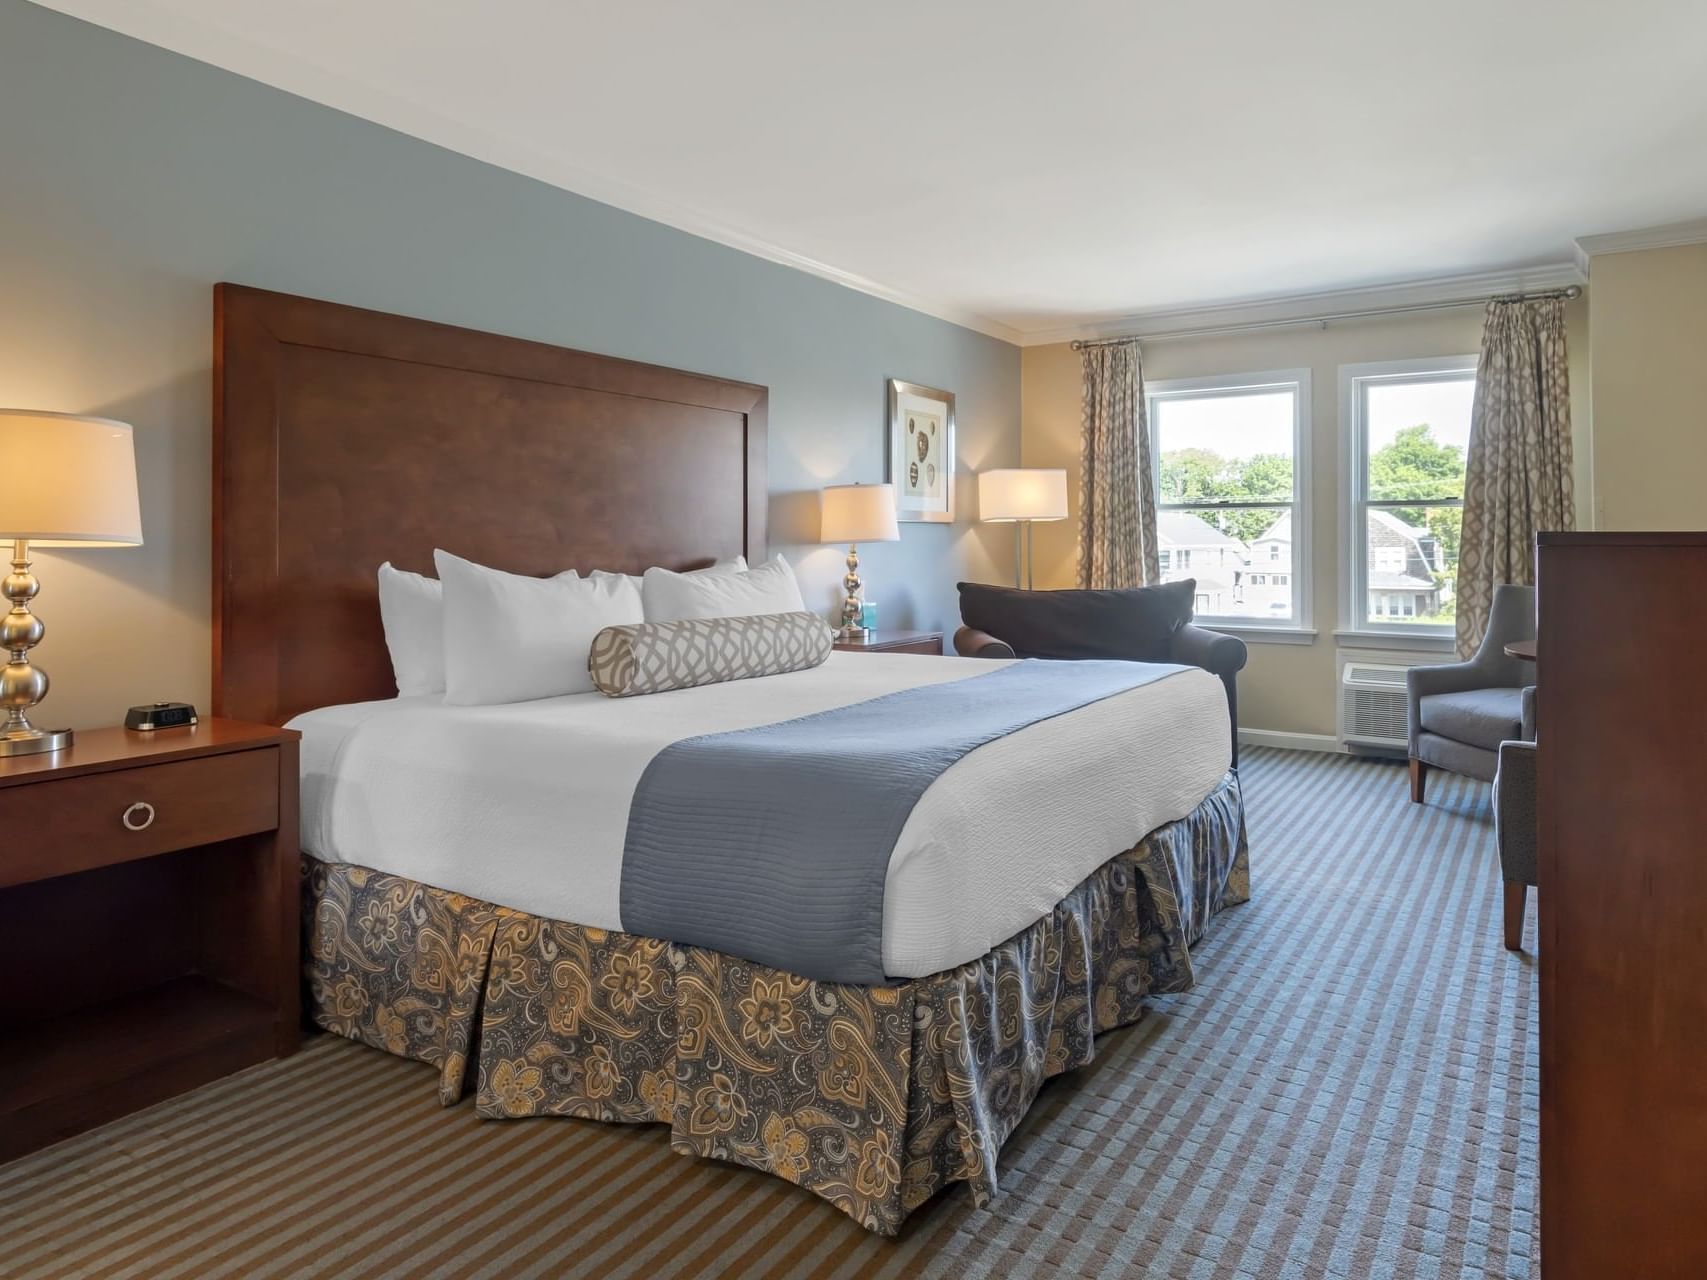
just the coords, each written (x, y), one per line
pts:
(344, 438)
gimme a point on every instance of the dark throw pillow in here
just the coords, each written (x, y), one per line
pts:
(1135, 623)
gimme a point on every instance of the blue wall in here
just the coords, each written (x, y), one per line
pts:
(132, 179)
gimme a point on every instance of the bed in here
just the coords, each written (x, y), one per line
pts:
(462, 865)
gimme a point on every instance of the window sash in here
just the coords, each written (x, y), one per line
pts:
(1358, 610)
(1296, 383)
(1273, 504)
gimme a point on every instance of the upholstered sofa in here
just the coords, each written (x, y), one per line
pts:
(1138, 624)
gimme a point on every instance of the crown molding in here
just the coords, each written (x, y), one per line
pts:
(1669, 236)
(1303, 308)
(152, 24)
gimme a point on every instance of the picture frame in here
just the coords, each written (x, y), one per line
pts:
(921, 452)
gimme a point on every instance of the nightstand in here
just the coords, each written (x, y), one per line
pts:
(894, 642)
(148, 920)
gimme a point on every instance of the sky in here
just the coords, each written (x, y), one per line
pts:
(1445, 406)
(1238, 426)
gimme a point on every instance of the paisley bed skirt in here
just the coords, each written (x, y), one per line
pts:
(874, 1098)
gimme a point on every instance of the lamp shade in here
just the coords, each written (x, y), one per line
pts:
(1022, 493)
(859, 513)
(71, 480)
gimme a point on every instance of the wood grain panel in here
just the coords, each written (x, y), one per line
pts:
(924, 642)
(137, 964)
(344, 438)
(77, 823)
(1622, 745)
(110, 749)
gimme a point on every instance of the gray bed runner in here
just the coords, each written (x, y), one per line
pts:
(773, 843)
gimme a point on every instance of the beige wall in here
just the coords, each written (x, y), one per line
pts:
(1648, 311)
(1288, 688)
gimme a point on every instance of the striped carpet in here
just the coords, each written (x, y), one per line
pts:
(1350, 1092)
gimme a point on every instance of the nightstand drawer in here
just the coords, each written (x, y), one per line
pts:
(56, 827)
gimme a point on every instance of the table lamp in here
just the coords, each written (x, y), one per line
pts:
(71, 483)
(1021, 495)
(855, 513)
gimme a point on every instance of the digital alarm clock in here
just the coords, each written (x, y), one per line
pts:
(160, 715)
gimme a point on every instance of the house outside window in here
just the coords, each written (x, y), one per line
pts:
(1407, 434)
(1231, 457)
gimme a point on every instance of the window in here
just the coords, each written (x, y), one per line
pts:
(1407, 426)
(1230, 456)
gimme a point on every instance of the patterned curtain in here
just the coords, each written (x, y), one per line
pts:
(1117, 494)
(1518, 475)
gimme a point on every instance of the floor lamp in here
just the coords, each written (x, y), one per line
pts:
(1022, 495)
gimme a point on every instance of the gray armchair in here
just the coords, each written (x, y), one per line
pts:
(1515, 829)
(1460, 712)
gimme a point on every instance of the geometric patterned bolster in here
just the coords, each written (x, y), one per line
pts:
(651, 657)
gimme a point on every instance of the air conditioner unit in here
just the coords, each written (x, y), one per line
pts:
(1372, 703)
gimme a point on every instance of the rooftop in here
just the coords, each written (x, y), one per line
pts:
(1182, 529)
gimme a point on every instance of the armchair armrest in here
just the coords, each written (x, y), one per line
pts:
(1218, 654)
(972, 643)
(1445, 677)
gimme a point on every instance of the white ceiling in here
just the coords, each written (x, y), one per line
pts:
(1033, 167)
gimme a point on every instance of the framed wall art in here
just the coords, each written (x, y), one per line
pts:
(921, 452)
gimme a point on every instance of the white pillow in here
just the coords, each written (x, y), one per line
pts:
(412, 611)
(511, 638)
(737, 565)
(771, 588)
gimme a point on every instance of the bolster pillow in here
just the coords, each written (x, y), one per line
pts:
(652, 657)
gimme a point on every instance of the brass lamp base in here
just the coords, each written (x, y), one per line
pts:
(21, 685)
(851, 628)
(34, 741)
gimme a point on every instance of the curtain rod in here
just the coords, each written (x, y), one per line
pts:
(1571, 291)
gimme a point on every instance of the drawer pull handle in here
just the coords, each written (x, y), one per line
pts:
(139, 817)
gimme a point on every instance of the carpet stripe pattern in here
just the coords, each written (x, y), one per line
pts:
(1349, 1092)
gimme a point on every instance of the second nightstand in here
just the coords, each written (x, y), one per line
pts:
(894, 642)
(148, 920)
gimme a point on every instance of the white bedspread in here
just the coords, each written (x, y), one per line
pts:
(526, 805)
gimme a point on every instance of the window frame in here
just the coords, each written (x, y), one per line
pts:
(1299, 628)
(1355, 624)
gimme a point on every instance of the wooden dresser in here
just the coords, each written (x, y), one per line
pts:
(148, 920)
(1622, 756)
